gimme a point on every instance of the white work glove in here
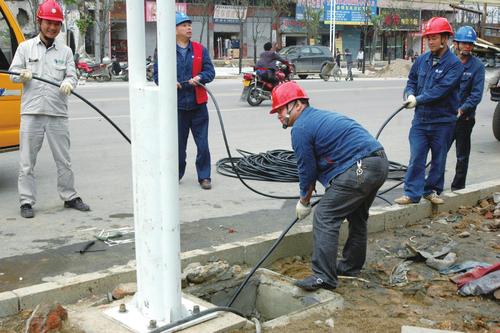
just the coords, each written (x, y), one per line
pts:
(302, 210)
(411, 102)
(25, 75)
(66, 88)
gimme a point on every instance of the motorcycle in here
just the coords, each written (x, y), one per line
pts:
(98, 72)
(257, 88)
(118, 70)
(495, 97)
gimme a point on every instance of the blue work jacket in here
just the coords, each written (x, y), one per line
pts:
(435, 87)
(326, 144)
(471, 86)
(186, 99)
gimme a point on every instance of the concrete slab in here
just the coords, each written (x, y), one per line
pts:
(414, 329)
(93, 320)
(9, 304)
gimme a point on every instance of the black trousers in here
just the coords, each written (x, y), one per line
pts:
(462, 136)
(349, 196)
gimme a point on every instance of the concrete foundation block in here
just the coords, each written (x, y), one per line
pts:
(376, 221)
(30, 297)
(9, 304)
(401, 216)
(414, 329)
(233, 253)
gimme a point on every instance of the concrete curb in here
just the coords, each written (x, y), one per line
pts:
(297, 242)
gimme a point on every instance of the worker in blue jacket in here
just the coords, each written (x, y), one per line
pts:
(432, 89)
(338, 152)
(471, 93)
(193, 66)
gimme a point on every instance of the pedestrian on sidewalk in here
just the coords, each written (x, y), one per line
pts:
(348, 60)
(432, 89)
(44, 108)
(471, 93)
(360, 58)
(193, 66)
(351, 165)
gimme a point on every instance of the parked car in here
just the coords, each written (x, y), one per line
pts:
(306, 60)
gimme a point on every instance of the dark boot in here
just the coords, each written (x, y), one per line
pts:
(77, 203)
(27, 211)
(313, 283)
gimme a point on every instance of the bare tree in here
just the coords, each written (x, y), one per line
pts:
(258, 28)
(280, 8)
(312, 18)
(103, 24)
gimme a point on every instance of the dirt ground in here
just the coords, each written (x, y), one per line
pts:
(384, 301)
(427, 299)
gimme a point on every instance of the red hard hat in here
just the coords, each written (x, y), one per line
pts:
(50, 10)
(285, 93)
(437, 25)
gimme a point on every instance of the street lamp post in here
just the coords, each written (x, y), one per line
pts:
(333, 5)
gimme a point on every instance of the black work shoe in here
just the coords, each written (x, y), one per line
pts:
(27, 211)
(313, 283)
(206, 184)
(77, 203)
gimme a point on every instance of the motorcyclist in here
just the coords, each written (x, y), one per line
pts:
(266, 66)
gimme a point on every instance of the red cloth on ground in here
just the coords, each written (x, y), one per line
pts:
(474, 274)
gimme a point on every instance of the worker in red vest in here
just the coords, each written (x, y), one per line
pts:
(193, 66)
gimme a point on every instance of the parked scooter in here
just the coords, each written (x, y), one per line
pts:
(256, 88)
(98, 72)
(118, 70)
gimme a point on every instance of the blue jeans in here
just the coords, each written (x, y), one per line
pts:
(437, 138)
(196, 121)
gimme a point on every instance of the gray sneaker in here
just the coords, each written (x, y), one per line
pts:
(78, 204)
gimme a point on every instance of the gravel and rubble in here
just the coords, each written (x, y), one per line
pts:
(397, 288)
(397, 68)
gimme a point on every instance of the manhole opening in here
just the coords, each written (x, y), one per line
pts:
(267, 296)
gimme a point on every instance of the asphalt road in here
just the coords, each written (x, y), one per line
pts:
(102, 166)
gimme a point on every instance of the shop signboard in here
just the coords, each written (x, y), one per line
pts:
(150, 10)
(303, 4)
(350, 12)
(229, 14)
(400, 19)
(290, 25)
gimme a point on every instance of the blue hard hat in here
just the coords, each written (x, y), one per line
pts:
(465, 34)
(181, 18)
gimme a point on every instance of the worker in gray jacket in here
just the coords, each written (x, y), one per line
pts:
(44, 108)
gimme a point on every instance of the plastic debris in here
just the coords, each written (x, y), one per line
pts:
(463, 267)
(398, 276)
(474, 274)
(440, 264)
(482, 286)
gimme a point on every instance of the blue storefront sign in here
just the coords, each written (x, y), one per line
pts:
(350, 12)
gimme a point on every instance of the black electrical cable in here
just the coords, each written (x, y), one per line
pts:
(80, 97)
(196, 316)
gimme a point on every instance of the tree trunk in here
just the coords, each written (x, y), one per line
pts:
(240, 62)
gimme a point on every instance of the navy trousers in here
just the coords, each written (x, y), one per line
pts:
(195, 121)
(436, 137)
(463, 132)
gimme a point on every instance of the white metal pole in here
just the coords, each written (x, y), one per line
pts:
(334, 22)
(331, 27)
(155, 166)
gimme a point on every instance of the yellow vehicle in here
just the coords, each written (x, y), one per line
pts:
(10, 93)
